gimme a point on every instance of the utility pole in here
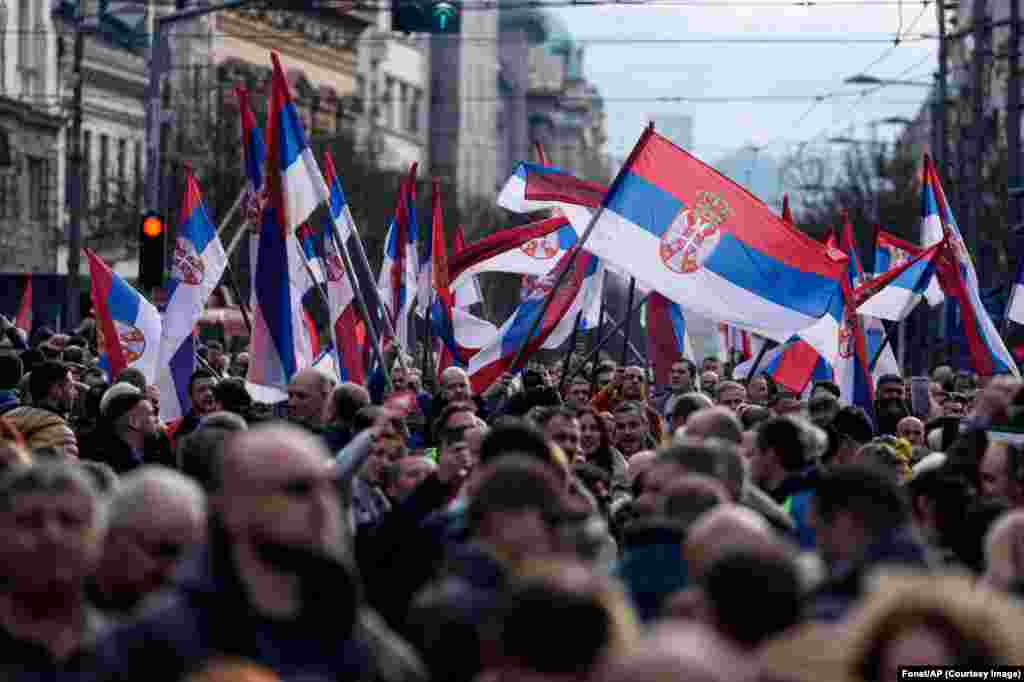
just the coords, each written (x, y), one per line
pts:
(1013, 113)
(72, 312)
(941, 158)
(982, 32)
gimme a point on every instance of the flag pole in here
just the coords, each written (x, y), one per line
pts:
(573, 253)
(229, 272)
(629, 320)
(768, 343)
(632, 347)
(231, 211)
(604, 340)
(357, 292)
(568, 354)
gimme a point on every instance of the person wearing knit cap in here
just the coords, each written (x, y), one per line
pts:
(128, 434)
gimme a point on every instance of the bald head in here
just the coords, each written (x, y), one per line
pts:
(455, 385)
(715, 422)
(276, 485)
(307, 396)
(1004, 551)
(724, 529)
(911, 429)
(154, 495)
(676, 652)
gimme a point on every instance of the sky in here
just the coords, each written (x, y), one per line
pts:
(638, 71)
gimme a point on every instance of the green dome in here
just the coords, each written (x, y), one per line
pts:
(542, 28)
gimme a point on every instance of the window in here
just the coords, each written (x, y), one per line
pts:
(40, 189)
(9, 195)
(104, 169)
(122, 169)
(137, 178)
(414, 110)
(86, 169)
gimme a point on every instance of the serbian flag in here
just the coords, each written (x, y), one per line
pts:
(535, 187)
(955, 272)
(893, 294)
(312, 242)
(23, 318)
(254, 154)
(891, 252)
(706, 243)
(580, 286)
(531, 249)
(293, 188)
(794, 365)
(467, 294)
(128, 327)
(667, 340)
(349, 329)
(736, 342)
(399, 269)
(198, 265)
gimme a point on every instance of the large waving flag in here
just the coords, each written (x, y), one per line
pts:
(254, 154)
(575, 294)
(399, 271)
(128, 327)
(293, 188)
(667, 340)
(959, 280)
(199, 263)
(535, 187)
(521, 250)
(349, 330)
(468, 293)
(706, 243)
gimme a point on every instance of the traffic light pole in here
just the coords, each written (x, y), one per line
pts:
(72, 308)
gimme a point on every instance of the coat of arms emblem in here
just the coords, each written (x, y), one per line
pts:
(187, 266)
(694, 234)
(133, 341)
(542, 248)
(334, 268)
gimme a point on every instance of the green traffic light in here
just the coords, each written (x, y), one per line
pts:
(445, 15)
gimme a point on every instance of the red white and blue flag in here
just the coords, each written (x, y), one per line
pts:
(293, 188)
(708, 244)
(198, 265)
(581, 286)
(128, 327)
(349, 329)
(959, 280)
(667, 339)
(468, 293)
(399, 271)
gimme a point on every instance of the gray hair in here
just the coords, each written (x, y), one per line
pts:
(133, 501)
(228, 421)
(53, 478)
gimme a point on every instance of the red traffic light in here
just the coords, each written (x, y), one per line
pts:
(152, 226)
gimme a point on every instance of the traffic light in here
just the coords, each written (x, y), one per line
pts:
(426, 16)
(152, 250)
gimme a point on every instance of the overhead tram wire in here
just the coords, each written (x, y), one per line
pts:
(493, 5)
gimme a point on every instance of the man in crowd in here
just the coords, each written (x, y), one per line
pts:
(129, 435)
(200, 392)
(731, 394)
(681, 378)
(308, 392)
(911, 429)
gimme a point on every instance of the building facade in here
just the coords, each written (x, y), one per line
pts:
(394, 86)
(546, 98)
(464, 107)
(31, 138)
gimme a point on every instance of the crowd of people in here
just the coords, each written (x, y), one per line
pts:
(592, 527)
